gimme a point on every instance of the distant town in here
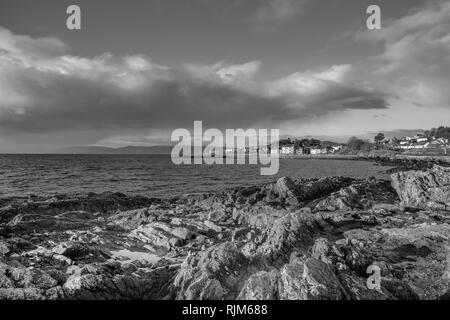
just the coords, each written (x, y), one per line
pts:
(431, 142)
(434, 141)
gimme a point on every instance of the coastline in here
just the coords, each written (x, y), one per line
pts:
(245, 243)
(367, 157)
(399, 162)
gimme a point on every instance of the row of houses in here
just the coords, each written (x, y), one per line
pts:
(421, 142)
(289, 149)
(293, 150)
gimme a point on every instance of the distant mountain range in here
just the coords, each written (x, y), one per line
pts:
(108, 150)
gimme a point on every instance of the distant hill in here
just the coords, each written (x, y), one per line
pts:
(108, 150)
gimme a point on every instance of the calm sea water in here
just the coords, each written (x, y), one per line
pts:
(151, 175)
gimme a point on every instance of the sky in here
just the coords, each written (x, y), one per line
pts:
(139, 69)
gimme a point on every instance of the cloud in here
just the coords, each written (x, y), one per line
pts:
(44, 90)
(320, 92)
(24, 45)
(278, 11)
(416, 58)
(234, 74)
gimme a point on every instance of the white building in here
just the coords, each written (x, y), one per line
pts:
(288, 149)
(319, 150)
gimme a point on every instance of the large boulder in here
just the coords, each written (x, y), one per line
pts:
(74, 250)
(424, 189)
(4, 248)
(157, 235)
(294, 231)
(262, 285)
(215, 274)
(310, 279)
(358, 196)
(285, 188)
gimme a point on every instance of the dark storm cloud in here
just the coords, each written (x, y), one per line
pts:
(43, 91)
(59, 102)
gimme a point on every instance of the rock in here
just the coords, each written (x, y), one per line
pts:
(16, 220)
(80, 214)
(213, 274)
(176, 221)
(358, 196)
(424, 189)
(399, 289)
(385, 209)
(285, 188)
(318, 188)
(21, 294)
(218, 215)
(107, 283)
(356, 288)
(27, 278)
(326, 252)
(73, 250)
(317, 246)
(294, 231)
(129, 220)
(309, 280)
(4, 248)
(85, 237)
(211, 225)
(262, 285)
(183, 233)
(239, 233)
(153, 235)
(417, 255)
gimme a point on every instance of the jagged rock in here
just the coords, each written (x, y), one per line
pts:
(130, 220)
(215, 274)
(16, 220)
(355, 288)
(358, 196)
(4, 248)
(316, 247)
(73, 250)
(259, 216)
(294, 231)
(211, 225)
(21, 294)
(309, 280)
(424, 189)
(80, 214)
(24, 284)
(262, 285)
(327, 252)
(26, 278)
(285, 188)
(399, 289)
(417, 254)
(219, 215)
(153, 235)
(239, 233)
(109, 282)
(183, 233)
(315, 189)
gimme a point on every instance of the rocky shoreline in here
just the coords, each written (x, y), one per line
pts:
(304, 239)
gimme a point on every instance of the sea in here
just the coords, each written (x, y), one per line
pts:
(153, 175)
